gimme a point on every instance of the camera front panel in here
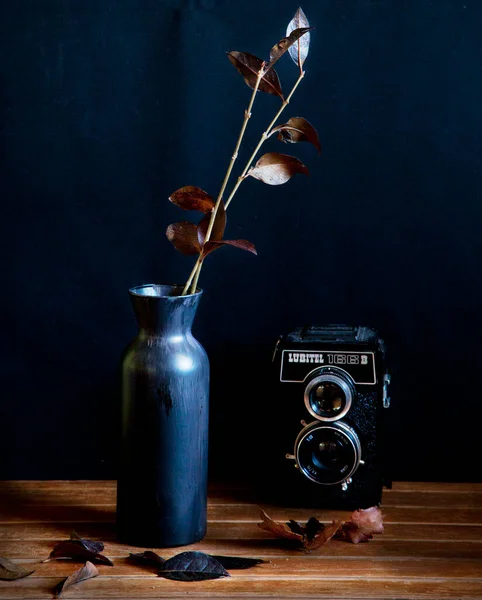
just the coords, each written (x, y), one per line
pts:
(324, 446)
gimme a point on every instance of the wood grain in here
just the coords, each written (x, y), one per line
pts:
(431, 547)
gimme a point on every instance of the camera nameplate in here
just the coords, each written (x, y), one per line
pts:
(297, 366)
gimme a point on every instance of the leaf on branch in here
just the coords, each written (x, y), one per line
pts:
(192, 566)
(299, 50)
(9, 571)
(192, 198)
(86, 572)
(298, 129)
(219, 226)
(214, 245)
(80, 549)
(147, 558)
(184, 237)
(275, 169)
(249, 66)
(285, 44)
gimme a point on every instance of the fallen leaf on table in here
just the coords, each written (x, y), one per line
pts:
(10, 571)
(192, 566)
(237, 562)
(291, 530)
(79, 549)
(362, 525)
(86, 572)
(94, 547)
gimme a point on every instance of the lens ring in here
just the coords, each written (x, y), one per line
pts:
(317, 470)
(333, 378)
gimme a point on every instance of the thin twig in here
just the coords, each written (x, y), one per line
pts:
(247, 115)
(264, 137)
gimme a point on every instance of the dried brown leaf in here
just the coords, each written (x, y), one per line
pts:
(86, 572)
(192, 198)
(275, 169)
(184, 237)
(299, 50)
(285, 44)
(368, 518)
(10, 571)
(279, 529)
(298, 129)
(192, 566)
(76, 550)
(313, 534)
(242, 244)
(90, 545)
(219, 226)
(249, 66)
(323, 536)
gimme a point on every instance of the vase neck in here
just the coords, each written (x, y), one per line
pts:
(160, 310)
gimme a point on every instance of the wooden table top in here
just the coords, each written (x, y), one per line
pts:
(431, 547)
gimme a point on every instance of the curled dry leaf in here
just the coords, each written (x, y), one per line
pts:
(362, 526)
(214, 245)
(79, 549)
(190, 197)
(249, 66)
(10, 571)
(275, 169)
(299, 50)
(86, 572)
(370, 518)
(324, 535)
(298, 129)
(192, 566)
(184, 237)
(279, 529)
(313, 534)
(285, 44)
(90, 545)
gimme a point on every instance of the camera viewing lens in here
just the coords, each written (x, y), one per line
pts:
(327, 399)
(328, 396)
(328, 454)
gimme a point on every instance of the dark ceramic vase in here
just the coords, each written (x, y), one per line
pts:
(162, 477)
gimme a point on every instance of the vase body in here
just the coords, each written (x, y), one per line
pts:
(162, 476)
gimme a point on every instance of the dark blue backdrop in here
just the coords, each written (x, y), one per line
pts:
(107, 107)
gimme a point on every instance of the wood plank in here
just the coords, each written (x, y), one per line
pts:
(316, 566)
(262, 548)
(248, 586)
(399, 486)
(73, 496)
(232, 531)
(18, 513)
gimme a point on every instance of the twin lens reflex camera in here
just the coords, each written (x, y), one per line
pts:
(328, 447)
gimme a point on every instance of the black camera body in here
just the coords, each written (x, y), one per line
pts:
(326, 446)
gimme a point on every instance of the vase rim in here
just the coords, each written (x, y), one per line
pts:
(160, 290)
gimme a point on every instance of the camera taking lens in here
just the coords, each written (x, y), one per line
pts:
(328, 454)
